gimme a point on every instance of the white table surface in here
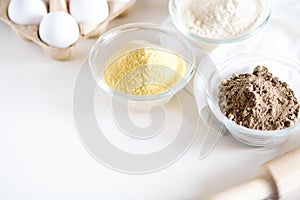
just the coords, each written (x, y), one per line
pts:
(41, 156)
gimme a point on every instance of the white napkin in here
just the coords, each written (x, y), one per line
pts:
(285, 9)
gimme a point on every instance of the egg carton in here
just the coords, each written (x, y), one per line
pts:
(30, 32)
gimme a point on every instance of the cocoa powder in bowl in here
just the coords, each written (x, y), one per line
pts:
(258, 100)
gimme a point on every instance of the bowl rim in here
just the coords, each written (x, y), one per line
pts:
(182, 28)
(109, 35)
(248, 131)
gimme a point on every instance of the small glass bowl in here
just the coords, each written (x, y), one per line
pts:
(284, 69)
(167, 39)
(177, 21)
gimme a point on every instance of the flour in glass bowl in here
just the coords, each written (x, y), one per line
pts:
(220, 19)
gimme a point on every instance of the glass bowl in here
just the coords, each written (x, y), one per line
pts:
(168, 40)
(179, 24)
(284, 69)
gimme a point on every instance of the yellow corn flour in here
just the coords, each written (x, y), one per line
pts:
(143, 68)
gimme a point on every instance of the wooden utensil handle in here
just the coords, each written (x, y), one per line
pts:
(257, 189)
(280, 179)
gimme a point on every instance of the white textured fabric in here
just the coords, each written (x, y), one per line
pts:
(285, 9)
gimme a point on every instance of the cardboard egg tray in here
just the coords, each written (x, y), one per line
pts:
(30, 32)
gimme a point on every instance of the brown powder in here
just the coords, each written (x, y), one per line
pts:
(258, 100)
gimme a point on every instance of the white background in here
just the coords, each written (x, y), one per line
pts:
(41, 156)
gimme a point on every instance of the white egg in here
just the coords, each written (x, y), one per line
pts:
(91, 11)
(26, 12)
(59, 29)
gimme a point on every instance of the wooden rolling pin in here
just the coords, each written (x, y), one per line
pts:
(277, 179)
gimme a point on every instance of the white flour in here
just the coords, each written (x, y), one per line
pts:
(220, 19)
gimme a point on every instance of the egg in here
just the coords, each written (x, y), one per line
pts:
(59, 29)
(26, 12)
(91, 12)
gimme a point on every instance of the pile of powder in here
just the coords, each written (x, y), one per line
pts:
(143, 68)
(220, 19)
(258, 100)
